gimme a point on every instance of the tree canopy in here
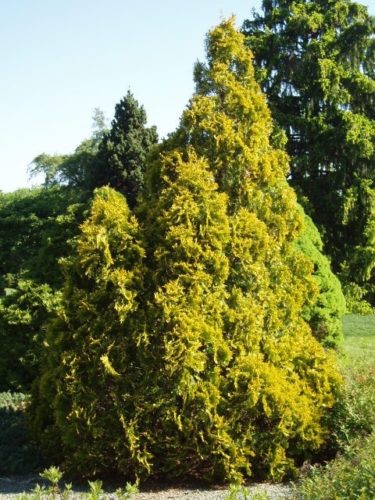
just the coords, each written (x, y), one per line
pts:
(315, 60)
(123, 150)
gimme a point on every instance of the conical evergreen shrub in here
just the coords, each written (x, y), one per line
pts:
(325, 314)
(90, 344)
(196, 360)
(189, 311)
(277, 382)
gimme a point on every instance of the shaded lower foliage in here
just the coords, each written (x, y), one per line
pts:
(17, 453)
(23, 313)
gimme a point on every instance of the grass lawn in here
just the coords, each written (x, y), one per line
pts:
(352, 474)
(359, 340)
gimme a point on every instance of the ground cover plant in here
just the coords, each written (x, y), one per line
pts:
(53, 488)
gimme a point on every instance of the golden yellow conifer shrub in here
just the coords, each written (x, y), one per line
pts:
(275, 384)
(195, 360)
(90, 343)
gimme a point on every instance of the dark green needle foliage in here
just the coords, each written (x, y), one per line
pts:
(122, 155)
(316, 62)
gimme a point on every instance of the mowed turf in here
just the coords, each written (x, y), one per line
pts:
(359, 340)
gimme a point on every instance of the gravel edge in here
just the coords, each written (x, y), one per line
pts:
(12, 487)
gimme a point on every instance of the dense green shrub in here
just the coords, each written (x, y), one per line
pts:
(326, 313)
(23, 313)
(194, 360)
(35, 226)
(351, 476)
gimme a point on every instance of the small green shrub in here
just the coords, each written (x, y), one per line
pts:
(96, 491)
(355, 411)
(351, 476)
(53, 476)
(355, 301)
(240, 492)
(128, 492)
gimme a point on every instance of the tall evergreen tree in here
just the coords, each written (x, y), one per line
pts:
(114, 157)
(315, 60)
(262, 388)
(123, 150)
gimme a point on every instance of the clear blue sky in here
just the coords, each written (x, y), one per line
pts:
(62, 58)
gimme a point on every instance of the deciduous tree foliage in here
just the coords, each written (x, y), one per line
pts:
(195, 360)
(76, 170)
(315, 60)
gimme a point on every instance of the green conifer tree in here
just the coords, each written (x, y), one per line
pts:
(315, 60)
(121, 161)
